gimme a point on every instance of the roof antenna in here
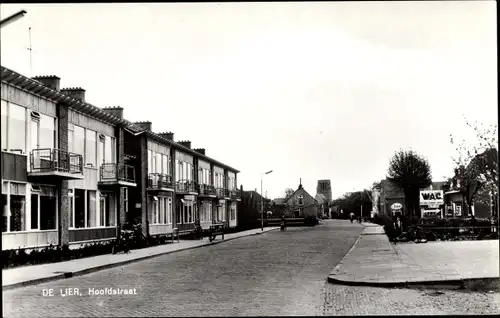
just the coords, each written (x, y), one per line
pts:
(31, 58)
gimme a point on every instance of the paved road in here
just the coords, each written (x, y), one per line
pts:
(272, 274)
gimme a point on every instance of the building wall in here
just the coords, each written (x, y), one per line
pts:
(294, 205)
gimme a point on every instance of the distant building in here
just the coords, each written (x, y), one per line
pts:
(302, 205)
(249, 209)
(325, 188)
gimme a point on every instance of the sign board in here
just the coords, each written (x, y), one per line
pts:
(428, 197)
(458, 210)
(189, 197)
(396, 206)
(433, 205)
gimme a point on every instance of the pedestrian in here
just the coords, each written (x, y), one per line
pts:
(351, 217)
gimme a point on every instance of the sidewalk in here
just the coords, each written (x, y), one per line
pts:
(37, 274)
(374, 261)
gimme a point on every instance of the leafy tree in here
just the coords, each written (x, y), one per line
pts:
(410, 172)
(352, 202)
(480, 160)
(289, 192)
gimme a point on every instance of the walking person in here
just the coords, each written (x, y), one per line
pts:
(351, 217)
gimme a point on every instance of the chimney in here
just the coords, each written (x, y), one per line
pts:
(115, 111)
(51, 81)
(75, 92)
(167, 135)
(185, 143)
(200, 150)
(144, 125)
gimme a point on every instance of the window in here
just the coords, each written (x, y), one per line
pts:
(90, 147)
(79, 208)
(102, 209)
(71, 134)
(110, 212)
(158, 163)
(47, 132)
(48, 208)
(125, 199)
(300, 200)
(91, 209)
(169, 210)
(14, 213)
(233, 212)
(71, 203)
(4, 124)
(109, 150)
(153, 210)
(162, 210)
(165, 165)
(35, 202)
(150, 161)
(102, 150)
(34, 136)
(16, 128)
(79, 140)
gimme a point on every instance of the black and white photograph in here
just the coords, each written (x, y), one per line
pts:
(222, 159)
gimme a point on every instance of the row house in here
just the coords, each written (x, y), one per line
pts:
(74, 173)
(177, 185)
(63, 177)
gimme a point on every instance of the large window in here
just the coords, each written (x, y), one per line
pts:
(71, 203)
(16, 126)
(78, 140)
(150, 161)
(90, 147)
(80, 206)
(4, 124)
(205, 213)
(91, 209)
(109, 150)
(47, 131)
(164, 161)
(233, 211)
(14, 213)
(107, 214)
(160, 210)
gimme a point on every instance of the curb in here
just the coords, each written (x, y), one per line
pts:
(488, 283)
(347, 254)
(108, 266)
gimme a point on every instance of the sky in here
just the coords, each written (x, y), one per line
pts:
(325, 90)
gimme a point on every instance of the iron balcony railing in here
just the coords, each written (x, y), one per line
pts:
(222, 192)
(158, 180)
(235, 194)
(185, 186)
(46, 160)
(206, 189)
(117, 172)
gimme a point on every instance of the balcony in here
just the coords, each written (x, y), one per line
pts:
(55, 164)
(114, 174)
(235, 194)
(206, 190)
(222, 193)
(160, 182)
(186, 186)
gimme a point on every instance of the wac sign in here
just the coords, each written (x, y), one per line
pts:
(431, 197)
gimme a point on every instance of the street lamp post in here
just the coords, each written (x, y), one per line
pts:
(262, 201)
(12, 18)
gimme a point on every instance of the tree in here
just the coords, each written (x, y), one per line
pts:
(288, 192)
(410, 172)
(480, 159)
(352, 202)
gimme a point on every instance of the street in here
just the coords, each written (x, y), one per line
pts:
(278, 273)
